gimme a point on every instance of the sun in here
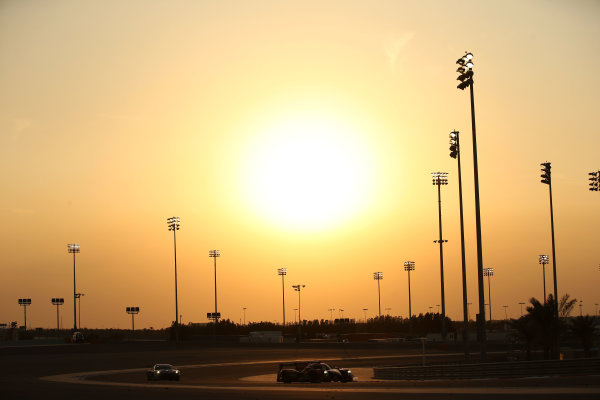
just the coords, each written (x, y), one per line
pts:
(308, 172)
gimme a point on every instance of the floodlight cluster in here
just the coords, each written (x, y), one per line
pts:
(488, 272)
(439, 178)
(409, 266)
(282, 271)
(465, 71)
(173, 223)
(378, 276)
(544, 259)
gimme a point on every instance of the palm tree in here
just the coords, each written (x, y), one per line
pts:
(544, 325)
(565, 306)
(583, 328)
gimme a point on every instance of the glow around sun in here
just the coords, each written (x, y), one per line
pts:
(309, 172)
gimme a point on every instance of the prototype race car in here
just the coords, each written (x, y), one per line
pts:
(312, 371)
(163, 371)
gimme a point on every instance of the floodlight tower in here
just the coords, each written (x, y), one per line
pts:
(173, 224)
(455, 153)
(331, 310)
(465, 77)
(298, 288)
(409, 266)
(489, 272)
(378, 276)
(283, 273)
(366, 309)
(521, 304)
(547, 180)
(505, 314)
(132, 311)
(594, 181)
(214, 254)
(544, 259)
(439, 179)
(58, 301)
(74, 248)
(25, 303)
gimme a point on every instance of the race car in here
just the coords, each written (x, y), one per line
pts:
(313, 371)
(163, 371)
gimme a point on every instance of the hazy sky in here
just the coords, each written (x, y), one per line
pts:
(296, 134)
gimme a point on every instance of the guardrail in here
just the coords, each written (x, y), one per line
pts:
(513, 369)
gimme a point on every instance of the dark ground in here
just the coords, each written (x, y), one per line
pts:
(21, 368)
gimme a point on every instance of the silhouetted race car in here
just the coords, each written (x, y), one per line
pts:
(163, 371)
(312, 371)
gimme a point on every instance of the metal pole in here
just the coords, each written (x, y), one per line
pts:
(176, 302)
(490, 297)
(57, 322)
(544, 272)
(74, 297)
(481, 322)
(462, 253)
(379, 296)
(215, 263)
(553, 258)
(441, 261)
(283, 295)
(409, 304)
(25, 315)
(79, 311)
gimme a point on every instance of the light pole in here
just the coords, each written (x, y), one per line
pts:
(430, 309)
(298, 288)
(439, 179)
(409, 266)
(378, 276)
(283, 273)
(547, 180)
(214, 254)
(489, 272)
(341, 312)
(365, 311)
(244, 309)
(74, 248)
(331, 310)
(468, 315)
(580, 308)
(544, 259)
(24, 303)
(596, 304)
(521, 304)
(295, 311)
(594, 181)
(78, 297)
(58, 301)
(465, 70)
(387, 310)
(455, 153)
(438, 306)
(132, 311)
(505, 315)
(173, 224)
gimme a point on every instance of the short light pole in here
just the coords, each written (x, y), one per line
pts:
(455, 153)
(298, 288)
(244, 310)
(580, 308)
(295, 311)
(365, 311)
(378, 276)
(596, 304)
(544, 259)
(78, 297)
(282, 272)
(521, 304)
(505, 314)
(214, 254)
(594, 181)
(331, 310)
(341, 312)
(173, 224)
(74, 248)
(387, 311)
(132, 311)
(465, 77)
(24, 303)
(409, 266)
(430, 309)
(439, 179)
(489, 272)
(438, 306)
(547, 180)
(58, 301)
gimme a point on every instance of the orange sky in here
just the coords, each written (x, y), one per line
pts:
(290, 134)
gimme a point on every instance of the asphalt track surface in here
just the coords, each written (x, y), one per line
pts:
(245, 372)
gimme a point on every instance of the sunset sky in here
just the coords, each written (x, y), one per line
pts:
(296, 134)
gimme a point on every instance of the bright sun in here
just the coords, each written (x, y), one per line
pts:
(308, 172)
